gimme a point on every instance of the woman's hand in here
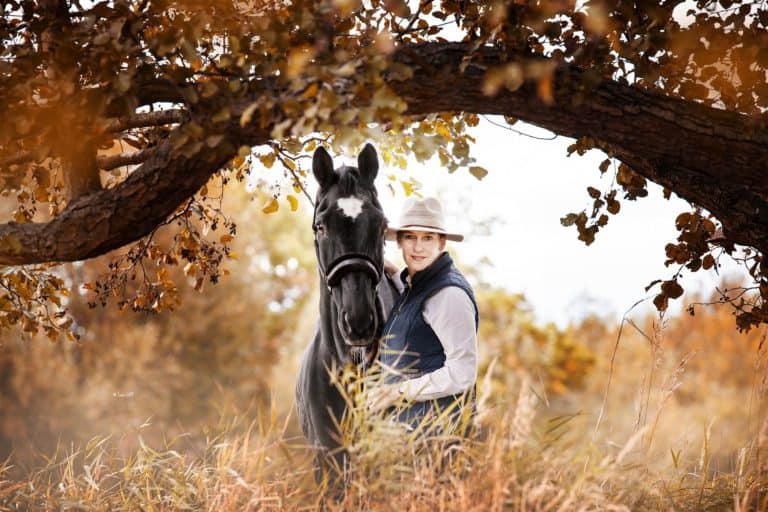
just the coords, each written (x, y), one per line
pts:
(389, 267)
(382, 397)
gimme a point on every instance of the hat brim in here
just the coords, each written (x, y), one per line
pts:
(392, 231)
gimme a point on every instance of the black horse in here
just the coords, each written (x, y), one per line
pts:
(355, 296)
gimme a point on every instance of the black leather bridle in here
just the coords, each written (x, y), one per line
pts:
(343, 265)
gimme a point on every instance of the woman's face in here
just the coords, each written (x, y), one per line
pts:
(420, 249)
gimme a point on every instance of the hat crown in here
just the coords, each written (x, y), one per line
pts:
(423, 212)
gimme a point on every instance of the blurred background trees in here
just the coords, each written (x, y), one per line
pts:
(179, 370)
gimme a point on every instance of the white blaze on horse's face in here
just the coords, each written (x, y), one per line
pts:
(351, 206)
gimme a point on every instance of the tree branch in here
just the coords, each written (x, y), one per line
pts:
(133, 158)
(19, 158)
(145, 119)
(97, 223)
(715, 158)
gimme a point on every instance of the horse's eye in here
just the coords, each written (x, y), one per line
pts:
(319, 229)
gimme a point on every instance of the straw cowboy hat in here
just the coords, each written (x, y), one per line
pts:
(422, 215)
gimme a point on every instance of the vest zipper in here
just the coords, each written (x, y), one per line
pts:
(399, 309)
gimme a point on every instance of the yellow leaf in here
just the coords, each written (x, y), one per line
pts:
(221, 116)
(298, 58)
(247, 114)
(544, 90)
(41, 194)
(267, 160)
(311, 91)
(407, 188)
(478, 172)
(294, 202)
(271, 207)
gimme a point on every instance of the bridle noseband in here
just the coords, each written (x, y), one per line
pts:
(346, 264)
(350, 263)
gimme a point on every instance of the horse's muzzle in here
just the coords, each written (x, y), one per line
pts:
(358, 332)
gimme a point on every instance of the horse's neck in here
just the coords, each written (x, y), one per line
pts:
(333, 343)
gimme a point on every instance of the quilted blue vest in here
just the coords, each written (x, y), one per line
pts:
(408, 342)
(411, 346)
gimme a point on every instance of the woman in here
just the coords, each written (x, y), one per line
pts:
(429, 343)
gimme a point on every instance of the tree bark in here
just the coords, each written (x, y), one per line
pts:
(714, 158)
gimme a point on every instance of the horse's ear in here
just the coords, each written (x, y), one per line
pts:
(322, 168)
(368, 163)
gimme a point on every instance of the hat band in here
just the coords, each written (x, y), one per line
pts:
(420, 227)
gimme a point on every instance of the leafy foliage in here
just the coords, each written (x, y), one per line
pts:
(121, 95)
(549, 355)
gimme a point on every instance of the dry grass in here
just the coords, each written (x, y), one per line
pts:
(658, 425)
(518, 462)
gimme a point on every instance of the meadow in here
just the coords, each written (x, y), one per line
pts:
(193, 410)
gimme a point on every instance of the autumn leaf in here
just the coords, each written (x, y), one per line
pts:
(267, 160)
(271, 207)
(478, 172)
(671, 289)
(247, 115)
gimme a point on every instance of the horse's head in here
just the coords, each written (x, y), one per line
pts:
(349, 237)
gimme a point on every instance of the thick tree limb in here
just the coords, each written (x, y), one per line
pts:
(714, 158)
(108, 219)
